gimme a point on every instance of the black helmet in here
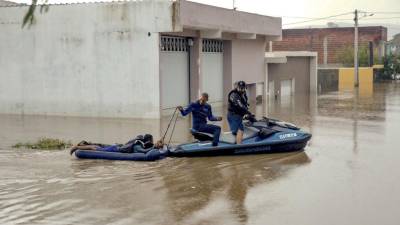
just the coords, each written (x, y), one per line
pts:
(148, 138)
(241, 85)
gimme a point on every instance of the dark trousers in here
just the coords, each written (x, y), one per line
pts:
(211, 129)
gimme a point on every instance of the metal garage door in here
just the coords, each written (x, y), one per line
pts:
(174, 72)
(212, 69)
(287, 87)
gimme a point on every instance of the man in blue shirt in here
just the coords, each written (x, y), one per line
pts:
(201, 111)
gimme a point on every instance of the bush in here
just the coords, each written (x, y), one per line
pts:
(391, 65)
(45, 143)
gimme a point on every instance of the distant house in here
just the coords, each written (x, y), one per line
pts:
(393, 46)
(330, 42)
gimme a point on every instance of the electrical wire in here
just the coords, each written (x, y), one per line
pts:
(310, 19)
(381, 18)
(320, 18)
(383, 12)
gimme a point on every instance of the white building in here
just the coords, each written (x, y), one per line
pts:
(128, 59)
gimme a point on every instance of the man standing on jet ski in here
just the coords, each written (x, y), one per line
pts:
(238, 108)
(201, 111)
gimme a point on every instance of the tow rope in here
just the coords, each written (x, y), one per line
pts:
(175, 115)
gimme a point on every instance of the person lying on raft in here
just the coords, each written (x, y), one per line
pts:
(201, 110)
(141, 144)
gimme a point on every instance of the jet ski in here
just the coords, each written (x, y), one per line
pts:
(260, 136)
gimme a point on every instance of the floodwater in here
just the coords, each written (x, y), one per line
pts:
(348, 174)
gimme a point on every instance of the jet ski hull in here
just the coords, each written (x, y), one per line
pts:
(252, 146)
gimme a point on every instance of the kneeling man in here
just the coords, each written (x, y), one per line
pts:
(201, 111)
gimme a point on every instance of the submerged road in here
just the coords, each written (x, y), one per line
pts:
(349, 173)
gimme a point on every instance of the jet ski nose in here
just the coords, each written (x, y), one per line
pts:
(307, 136)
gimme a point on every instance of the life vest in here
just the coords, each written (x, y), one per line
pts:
(234, 107)
(145, 143)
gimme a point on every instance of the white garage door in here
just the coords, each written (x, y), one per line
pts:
(174, 72)
(212, 69)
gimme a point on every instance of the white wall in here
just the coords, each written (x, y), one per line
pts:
(83, 60)
(248, 60)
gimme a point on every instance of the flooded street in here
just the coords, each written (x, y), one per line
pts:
(348, 174)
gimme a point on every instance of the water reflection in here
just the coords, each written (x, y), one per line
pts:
(194, 186)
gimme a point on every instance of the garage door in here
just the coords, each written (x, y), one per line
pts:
(287, 87)
(174, 72)
(212, 69)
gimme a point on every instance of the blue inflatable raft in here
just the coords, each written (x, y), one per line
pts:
(152, 155)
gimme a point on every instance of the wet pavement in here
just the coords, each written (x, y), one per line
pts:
(349, 173)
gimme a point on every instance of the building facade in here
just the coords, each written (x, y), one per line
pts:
(127, 59)
(331, 42)
(291, 73)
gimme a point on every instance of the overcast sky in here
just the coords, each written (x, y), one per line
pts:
(311, 9)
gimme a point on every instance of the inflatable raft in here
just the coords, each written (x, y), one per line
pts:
(152, 155)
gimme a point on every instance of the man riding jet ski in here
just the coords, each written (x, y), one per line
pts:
(201, 111)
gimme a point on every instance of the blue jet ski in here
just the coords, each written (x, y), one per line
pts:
(262, 136)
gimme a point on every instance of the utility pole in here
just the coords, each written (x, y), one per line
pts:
(356, 48)
(233, 5)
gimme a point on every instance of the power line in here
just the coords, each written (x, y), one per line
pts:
(299, 17)
(384, 12)
(320, 18)
(339, 19)
(311, 18)
(382, 18)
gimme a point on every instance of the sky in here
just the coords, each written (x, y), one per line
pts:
(386, 12)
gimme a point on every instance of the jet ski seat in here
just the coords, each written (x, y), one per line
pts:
(227, 137)
(201, 136)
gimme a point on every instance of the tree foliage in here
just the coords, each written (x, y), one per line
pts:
(391, 66)
(346, 56)
(29, 17)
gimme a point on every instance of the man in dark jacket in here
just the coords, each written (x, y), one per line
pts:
(237, 109)
(201, 111)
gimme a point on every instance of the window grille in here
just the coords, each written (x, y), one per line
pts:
(174, 44)
(213, 45)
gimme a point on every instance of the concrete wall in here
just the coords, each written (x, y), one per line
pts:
(330, 42)
(297, 68)
(243, 60)
(210, 18)
(366, 80)
(248, 60)
(83, 59)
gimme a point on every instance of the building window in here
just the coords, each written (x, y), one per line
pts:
(212, 45)
(173, 44)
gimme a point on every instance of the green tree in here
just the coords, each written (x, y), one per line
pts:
(29, 17)
(346, 56)
(391, 66)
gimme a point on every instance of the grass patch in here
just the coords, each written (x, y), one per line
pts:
(45, 143)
